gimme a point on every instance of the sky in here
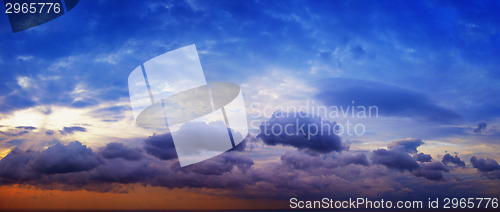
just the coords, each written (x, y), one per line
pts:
(68, 138)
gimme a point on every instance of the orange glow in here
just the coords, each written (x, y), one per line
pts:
(138, 197)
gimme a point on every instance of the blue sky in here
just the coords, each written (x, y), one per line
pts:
(431, 67)
(442, 50)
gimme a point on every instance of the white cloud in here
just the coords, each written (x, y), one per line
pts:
(24, 57)
(24, 82)
(63, 63)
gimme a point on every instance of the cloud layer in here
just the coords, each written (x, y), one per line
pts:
(306, 171)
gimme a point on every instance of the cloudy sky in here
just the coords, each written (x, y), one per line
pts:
(68, 137)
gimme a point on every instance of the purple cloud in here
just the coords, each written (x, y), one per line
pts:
(487, 166)
(408, 145)
(15, 166)
(118, 150)
(71, 130)
(161, 146)
(431, 171)
(484, 165)
(301, 130)
(360, 159)
(421, 157)
(447, 159)
(398, 157)
(60, 158)
(394, 159)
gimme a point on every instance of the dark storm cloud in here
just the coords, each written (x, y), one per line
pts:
(60, 158)
(408, 145)
(305, 161)
(76, 166)
(161, 146)
(118, 150)
(117, 170)
(298, 172)
(220, 165)
(447, 159)
(481, 126)
(391, 100)
(398, 157)
(230, 170)
(15, 166)
(488, 166)
(302, 161)
(394, 159)
(302, 174)
(301, 130)
(484, 165)
(431, 171)
(360, 159)
(223, 171)
(71, 130)
(421, 157)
